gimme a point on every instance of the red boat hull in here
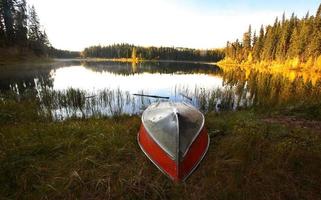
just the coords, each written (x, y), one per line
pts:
(177, 171)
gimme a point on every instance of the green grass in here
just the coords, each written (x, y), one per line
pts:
(95, 158)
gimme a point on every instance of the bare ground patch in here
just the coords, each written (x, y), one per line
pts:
(295, 122)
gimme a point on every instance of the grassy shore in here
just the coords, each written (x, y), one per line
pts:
(253, 155)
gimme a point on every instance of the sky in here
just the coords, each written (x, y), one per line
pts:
(203, 24)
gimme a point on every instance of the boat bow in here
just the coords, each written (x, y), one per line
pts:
(173, 137)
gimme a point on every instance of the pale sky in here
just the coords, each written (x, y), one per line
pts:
(76, 24)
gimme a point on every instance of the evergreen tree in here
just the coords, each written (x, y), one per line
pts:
(8, 18)
(305, 37)
(318, 14)
(21, 23)
(247, 42)
(33, 25)
(254, 40)
(294, 50)
(315, 45)
(44, 41)
(38, 40)
(258, 46)
(285, 39)
(275, 38)
(2, 28)
(268, 43)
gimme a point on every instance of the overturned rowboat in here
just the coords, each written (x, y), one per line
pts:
(173, 137)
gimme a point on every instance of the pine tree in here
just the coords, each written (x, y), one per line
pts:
(315, 45)
(292, 24)
(276, 38)
(33, 25)
(8, 18)
(286, 39)
(258, 46)
(44, 41)
(247, 43)
(294, 50)
(254, 40)
(268, 44)
(318, 14)
(2, 28)
(38, 40)
(21, 23)
(305, 37)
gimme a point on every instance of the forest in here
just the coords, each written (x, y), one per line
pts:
(153, 53)
(293, 39)
(20, 28)
(21, 34)
(289, 39)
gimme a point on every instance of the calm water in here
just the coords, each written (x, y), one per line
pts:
(153, 78)
(74, 88)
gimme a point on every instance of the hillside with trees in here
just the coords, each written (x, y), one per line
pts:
(21, 35)
(153, 53)
(294, 42)
(20, 31)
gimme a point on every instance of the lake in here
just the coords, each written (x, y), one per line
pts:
(72, 88)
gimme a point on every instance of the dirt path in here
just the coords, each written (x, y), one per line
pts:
(295, 122)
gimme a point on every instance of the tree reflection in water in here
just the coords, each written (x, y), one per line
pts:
(240, 88)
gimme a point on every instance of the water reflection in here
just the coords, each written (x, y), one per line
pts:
(165, 84)
(122, 68)
(86, 89)
(264, 89)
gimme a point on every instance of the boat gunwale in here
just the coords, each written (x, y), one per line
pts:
(160, 168)
(154, 162)
(202, 157)
(199, 131)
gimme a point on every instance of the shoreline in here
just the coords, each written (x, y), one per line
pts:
(40, 60)
(275, 67)
(129, 60)
(289, 65)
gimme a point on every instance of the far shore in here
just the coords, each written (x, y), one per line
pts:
(131, 60)
(128, 60)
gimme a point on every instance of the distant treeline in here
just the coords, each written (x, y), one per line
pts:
(153, 53)
(20, 28)
(286, 39)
